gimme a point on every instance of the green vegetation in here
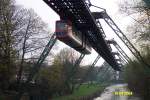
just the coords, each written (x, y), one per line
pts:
(137, 76)
(60, 76)
(84, 90)
(23, 35)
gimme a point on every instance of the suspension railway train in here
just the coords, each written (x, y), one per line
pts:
(68, 34)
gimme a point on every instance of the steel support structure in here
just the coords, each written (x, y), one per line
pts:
(122, 36)
(120, 59)
(105, 72)
(125, 56)
(42, 57)
(103, 15)
(121, 51)
(77, 63)
(75, 68)
(100, 27)
(35, 69)
(90, 69)
(78, 12)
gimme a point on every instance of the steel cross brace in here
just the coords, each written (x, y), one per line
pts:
(121, 51)
(122, 59)
(37, 66)
(124, 39)
(103, 15)
(77, 63)
(42, 57)
(75, 67)
(101, 67)
(109, 69)
(105, 73)
(89, 70)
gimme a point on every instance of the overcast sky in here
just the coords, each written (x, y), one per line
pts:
(112, 7)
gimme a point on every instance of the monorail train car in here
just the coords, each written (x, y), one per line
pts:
(67, 33)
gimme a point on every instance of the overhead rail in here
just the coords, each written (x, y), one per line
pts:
(121, 35)
(120, 58)
(78, 13)
(103, 15)
(121, 51)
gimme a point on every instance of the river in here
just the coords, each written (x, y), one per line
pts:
(109, 93)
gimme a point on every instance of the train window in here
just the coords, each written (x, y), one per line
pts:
(61, 25)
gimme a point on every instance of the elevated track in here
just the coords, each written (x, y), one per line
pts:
(78, 12)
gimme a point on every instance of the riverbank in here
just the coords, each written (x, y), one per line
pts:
(85, 92)
(121, 91)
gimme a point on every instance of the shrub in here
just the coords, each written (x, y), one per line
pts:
(137, 75)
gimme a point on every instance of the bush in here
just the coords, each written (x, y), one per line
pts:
(137, 75)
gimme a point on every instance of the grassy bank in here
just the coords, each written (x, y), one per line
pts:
(84, 90)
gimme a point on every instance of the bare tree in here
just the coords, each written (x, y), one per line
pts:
(139, 11)
(32, 36)
(22, 35)
(7, 52)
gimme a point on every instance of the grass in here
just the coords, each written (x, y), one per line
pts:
(84, 90)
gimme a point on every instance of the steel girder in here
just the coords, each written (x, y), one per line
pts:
(78, 13)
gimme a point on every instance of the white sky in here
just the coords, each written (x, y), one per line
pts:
(111, 6)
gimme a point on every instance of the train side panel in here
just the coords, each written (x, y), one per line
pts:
(64, 32)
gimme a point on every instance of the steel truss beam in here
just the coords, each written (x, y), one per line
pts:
(121, 51)
(36, 66)
(122, 36)
(42, 57)
(103, 15)
(77, 63)
(120, 57)
(78, 12)
(121, 54)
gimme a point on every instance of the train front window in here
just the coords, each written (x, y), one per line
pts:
(61, 26)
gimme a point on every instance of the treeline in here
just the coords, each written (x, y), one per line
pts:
(137, 74)
(23, 36)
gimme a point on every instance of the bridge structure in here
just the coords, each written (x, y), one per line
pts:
(79, 13)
